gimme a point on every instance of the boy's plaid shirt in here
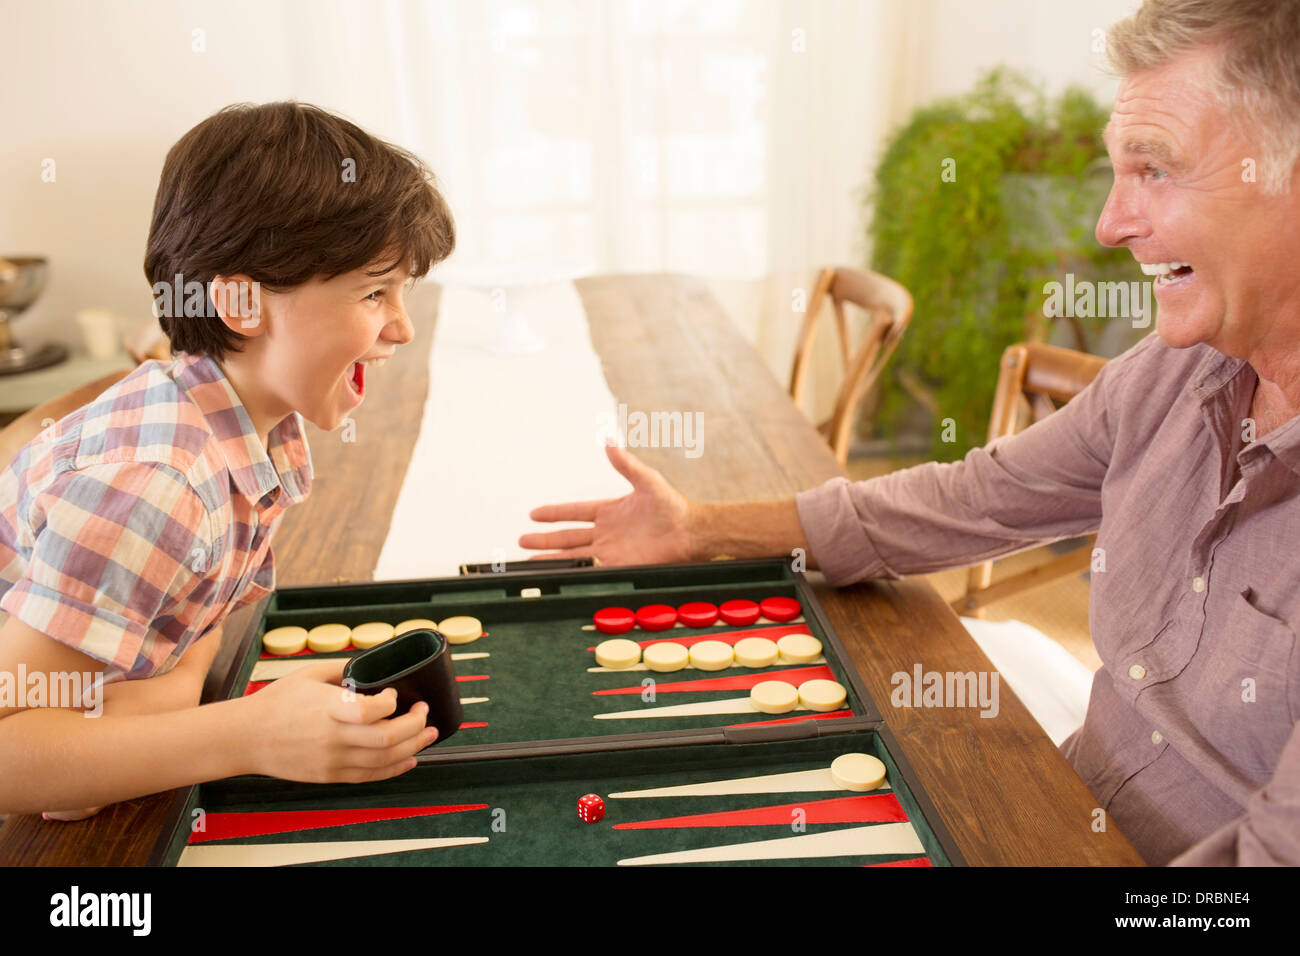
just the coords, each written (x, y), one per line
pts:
(136, 524)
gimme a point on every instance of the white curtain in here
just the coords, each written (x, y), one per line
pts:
(723, 138)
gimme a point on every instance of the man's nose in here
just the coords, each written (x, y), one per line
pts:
(1121, 221)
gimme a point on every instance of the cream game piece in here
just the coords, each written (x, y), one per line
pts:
(666, 656)
(415, 624)
(371, 634)
(822, 695)
(711, 655)
(618, 653)
(327, 638)
(858, 771)
(756, 652)
(285, 640)
(530, 592)
(461, 630)
(774, 696)
(799, 648)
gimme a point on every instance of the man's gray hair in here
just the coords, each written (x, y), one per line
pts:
(1258, 75)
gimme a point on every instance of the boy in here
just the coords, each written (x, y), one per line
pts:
(131, 528)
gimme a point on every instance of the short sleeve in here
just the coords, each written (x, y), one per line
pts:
(113, 547)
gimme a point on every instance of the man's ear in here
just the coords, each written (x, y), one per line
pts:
(238, 303)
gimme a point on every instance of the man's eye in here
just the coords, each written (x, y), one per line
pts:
(1153, 172)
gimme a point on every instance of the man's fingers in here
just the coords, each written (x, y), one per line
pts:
(569, 511)
(567, 538)
(627, 465)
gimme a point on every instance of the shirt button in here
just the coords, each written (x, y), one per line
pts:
(1198, 584)
(1137, 672)
(1155, 737)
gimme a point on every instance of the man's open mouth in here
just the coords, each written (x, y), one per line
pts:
(1167, 273)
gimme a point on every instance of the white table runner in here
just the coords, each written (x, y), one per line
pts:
(500, 434)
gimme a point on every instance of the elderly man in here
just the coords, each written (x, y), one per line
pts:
(1184, 454)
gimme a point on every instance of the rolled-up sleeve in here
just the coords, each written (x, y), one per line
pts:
(111, 549)
(1040, 485)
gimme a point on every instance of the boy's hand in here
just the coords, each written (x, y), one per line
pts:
(70, 816)
(308, 727)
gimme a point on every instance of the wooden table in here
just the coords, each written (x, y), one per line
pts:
(1001, 786)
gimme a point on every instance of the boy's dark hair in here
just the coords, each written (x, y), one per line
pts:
(284, 193)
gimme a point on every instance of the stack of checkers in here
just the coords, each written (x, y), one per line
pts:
(661, 617)
(331, 638)
(619, 653)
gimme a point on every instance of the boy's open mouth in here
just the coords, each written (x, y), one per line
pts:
(358, 378)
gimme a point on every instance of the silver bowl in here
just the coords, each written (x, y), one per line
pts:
(22, 280)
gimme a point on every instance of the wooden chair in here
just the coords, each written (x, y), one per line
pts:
(1032, 379)
(889, 306)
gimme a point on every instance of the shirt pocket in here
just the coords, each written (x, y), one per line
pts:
(1260, 667)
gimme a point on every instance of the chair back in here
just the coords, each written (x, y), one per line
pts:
(889, 308)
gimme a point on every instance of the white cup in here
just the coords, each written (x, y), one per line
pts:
(99, 332)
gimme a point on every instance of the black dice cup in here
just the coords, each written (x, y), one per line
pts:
(418, 666)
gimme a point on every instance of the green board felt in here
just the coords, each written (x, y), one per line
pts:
(536, 678)
(541, 749)
(531, 813)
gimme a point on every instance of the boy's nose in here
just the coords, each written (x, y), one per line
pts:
(400, 330)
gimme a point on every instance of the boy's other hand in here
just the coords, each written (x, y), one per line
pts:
(651, 525)
(308, 727)
(69, 816)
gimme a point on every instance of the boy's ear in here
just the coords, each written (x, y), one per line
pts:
(238, 303)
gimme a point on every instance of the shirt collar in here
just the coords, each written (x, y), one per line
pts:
(255, 471)
(1212, 383)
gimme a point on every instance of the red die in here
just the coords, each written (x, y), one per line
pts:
(590, 808)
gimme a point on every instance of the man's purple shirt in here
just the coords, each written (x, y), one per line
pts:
(1190, 741)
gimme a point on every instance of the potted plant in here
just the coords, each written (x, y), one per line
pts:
(978, 202)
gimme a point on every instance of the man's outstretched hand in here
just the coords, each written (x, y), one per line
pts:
(651, 525)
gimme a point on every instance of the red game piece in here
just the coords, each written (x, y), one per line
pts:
(780, 609)
(590, 808)
(698, 614)
(614, 620)
(739, 612)
(656, 617)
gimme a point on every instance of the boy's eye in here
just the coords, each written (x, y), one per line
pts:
(375, 296)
